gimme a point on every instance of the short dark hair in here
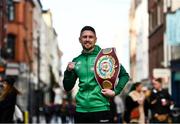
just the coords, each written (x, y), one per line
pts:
(10, 80)
(159, 80)
(135, 85)
(88, 28)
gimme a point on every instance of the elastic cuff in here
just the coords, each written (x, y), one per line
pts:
(118, 91)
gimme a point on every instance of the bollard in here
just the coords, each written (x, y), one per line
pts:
(26, 117)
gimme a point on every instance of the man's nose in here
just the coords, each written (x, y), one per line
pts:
(87, 38)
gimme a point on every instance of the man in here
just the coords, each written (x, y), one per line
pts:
(160, 102)
(92, 102)
(119, 108)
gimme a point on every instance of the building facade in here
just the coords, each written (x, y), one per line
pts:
(132, 37)
(29, 49)
(53, 55)
(156, 35)
(16, 44)
(139, 40)
(172, 46)
(3, 19)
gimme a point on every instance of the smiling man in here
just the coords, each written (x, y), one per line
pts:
(92, 102)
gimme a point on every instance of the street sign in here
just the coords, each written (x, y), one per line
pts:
(161, 72)
(12, 69)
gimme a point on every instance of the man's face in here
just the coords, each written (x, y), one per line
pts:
(156, 84)
(139, 88)
(87, 40)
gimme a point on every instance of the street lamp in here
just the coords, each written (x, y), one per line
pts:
(38, 75)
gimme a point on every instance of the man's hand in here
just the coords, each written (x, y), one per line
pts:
(70, 66)
(108, 92)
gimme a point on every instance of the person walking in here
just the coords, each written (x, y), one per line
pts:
(134, 103)
(7, 99)
(160, 101)
(92, 102)
(119, 107)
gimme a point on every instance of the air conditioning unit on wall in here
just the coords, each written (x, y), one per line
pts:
(167, 5)
(16, 0)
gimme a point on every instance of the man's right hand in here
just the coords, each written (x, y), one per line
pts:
(70, 66)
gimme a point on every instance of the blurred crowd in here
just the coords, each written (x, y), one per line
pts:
(140, 104)
(60, 113)
(144, 104)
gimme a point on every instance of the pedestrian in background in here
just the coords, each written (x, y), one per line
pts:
(146, 92)
(7, 99)
(134, 103)
(92, 102)
(119, 108)
(160, 101)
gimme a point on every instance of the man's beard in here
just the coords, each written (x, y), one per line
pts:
(88, 49)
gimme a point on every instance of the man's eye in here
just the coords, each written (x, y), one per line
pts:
(90, 36)
(84, 36)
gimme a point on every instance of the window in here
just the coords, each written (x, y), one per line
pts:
(10, 10)
(150, 23)
(154, 18)
(137, 2)
(10, 47)
(160, 12)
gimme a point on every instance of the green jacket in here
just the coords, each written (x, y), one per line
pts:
(89, 97)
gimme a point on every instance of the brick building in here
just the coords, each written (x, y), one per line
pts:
(16, 42)
(17, 46)
(3, 13)
(156, 34)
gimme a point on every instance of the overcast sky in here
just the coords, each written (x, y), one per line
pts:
(108, 17)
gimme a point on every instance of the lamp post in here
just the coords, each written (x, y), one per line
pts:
(38, 75)
(3, 23)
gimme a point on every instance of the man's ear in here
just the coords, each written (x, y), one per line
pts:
(80, 39)
(96, 40)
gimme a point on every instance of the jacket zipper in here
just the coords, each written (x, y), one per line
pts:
(87, 67)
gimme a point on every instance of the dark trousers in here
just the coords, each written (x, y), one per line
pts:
(119, 119)
(94, 117)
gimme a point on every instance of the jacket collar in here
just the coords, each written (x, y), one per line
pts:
(94, 52)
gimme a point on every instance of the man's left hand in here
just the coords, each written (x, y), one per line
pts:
(108, 92)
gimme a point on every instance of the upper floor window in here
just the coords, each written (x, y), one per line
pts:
(137, 2)
(153, 19)
(160, 12)
(156, 16)
(10, 10)
(8, 51)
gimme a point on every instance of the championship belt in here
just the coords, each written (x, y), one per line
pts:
(107, 68)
